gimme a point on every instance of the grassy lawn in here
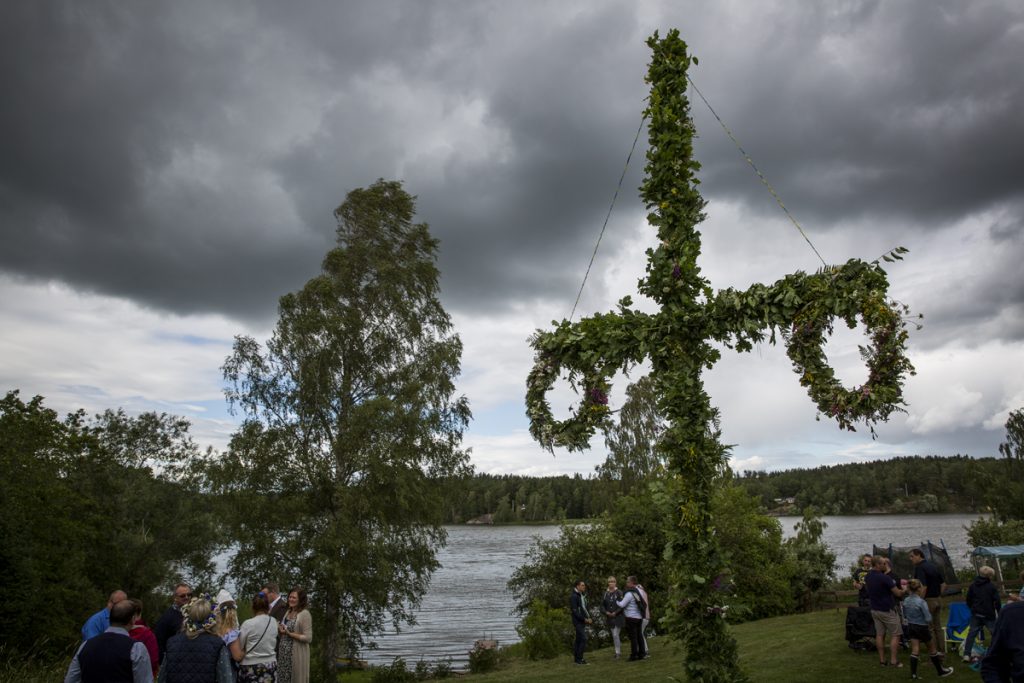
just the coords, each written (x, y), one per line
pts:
(792, 649)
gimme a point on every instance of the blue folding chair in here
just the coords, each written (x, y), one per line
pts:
(957, 624)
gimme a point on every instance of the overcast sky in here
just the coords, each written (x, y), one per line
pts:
(168, 170)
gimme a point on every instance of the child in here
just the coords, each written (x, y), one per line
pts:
(915, 611)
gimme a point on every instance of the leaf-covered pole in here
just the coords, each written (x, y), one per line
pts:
(801, 308)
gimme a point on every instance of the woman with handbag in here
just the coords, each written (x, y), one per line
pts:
(258, 641)
(295, 633)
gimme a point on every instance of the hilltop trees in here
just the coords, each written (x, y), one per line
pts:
(91, 505)
(1005, 492)
(350, 420)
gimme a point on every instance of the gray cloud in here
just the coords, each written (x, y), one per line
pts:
(188, 156)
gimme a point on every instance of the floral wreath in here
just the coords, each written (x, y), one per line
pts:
(852, 292)
(885, 355)
(194, 627)
(593, 412)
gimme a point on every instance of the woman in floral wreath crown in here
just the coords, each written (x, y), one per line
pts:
(197, 654)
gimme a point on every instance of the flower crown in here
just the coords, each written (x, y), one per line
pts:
(194, 627)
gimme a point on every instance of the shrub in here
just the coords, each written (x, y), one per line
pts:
(442, 669)
(396, 672)
(991, 532)
(544, 631)
(483, 659)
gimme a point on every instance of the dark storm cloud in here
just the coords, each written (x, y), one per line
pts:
(904, 110)
(189, 156)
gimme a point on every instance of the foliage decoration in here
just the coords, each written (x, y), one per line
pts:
(800, 307)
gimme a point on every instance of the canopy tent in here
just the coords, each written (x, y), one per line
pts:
(992, 554)
(902, 567)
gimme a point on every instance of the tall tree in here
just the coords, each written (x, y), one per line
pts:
(632, 442)
(351, 419)
(91, 505)
(1011, 502)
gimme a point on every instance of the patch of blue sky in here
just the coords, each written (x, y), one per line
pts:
(191, 339)
(502, 418)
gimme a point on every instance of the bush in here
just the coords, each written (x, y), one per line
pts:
(544, 631)
(991, 532)
(483, 659)
(442, 669)
(396, 672)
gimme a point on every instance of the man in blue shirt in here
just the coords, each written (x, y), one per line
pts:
(113, 656)
(98, 623)
(882, 594)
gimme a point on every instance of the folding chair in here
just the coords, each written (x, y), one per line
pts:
(957, 624)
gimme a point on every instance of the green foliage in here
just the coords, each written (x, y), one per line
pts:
(632, 454)
(763, 569)
(91, 505)
(993, 532)
(483, 659)
(629, 540)
(533, 499)
(351, 420)
(759, 580)
(545, 632)
(1006, 491)
(677, 341)
(813, 560)
(396, 672)
(923, 483)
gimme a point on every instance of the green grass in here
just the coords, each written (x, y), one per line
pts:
(791, 649)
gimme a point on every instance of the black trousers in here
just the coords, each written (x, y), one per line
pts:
(634, 630)
(580, 644)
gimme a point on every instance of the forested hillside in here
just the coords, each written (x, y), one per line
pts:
(908, 484)
(513, 498)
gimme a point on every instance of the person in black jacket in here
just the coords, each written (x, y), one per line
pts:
(1004, 661)
(983, 601)
(197, 654)
(929, 575)
(169, 622)
(580, 619)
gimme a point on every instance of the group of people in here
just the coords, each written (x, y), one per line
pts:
(913, 609)
(198, 639)
(629, 609)
(894, 601)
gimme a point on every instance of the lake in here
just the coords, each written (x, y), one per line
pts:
(468, 601)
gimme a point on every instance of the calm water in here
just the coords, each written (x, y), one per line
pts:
(468, 600)
(852, 536)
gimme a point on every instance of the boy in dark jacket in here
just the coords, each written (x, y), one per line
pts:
(983, 601)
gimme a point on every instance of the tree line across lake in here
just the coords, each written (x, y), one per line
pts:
(901, 485)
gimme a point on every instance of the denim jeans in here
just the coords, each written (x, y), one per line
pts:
(976, 623)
